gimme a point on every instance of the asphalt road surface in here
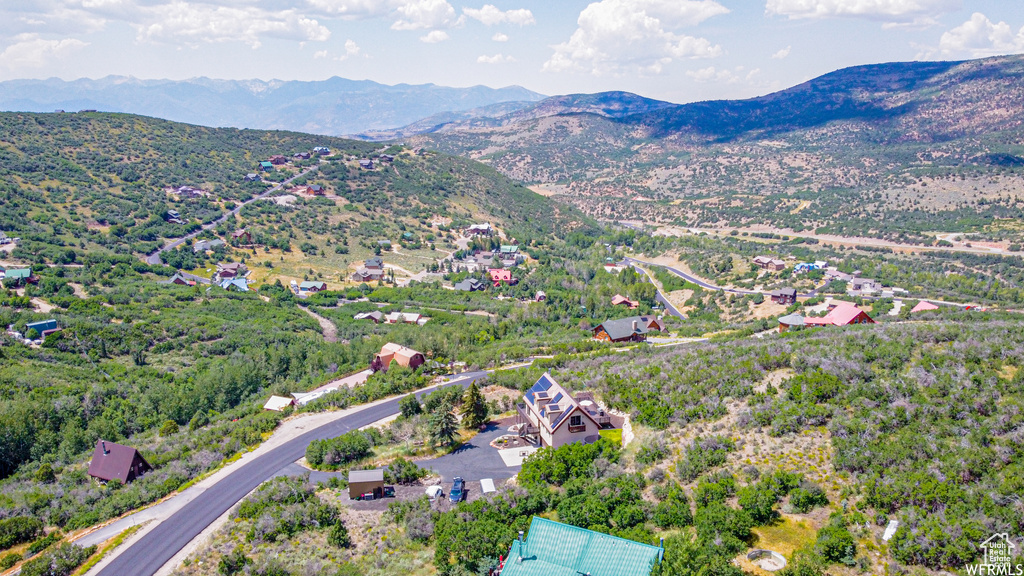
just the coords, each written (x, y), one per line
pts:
(156, 548)
(154, 258)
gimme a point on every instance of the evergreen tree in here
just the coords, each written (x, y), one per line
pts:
(443, 425)
(474, 409)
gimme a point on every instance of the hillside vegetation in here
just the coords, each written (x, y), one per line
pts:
(871, 150)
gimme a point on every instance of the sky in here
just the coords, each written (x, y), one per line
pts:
(676, 50)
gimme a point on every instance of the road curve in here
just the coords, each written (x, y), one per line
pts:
(154, 258)
(147, 555)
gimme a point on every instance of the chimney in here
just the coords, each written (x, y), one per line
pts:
(635, 325)
(521, 544)
(104, 445)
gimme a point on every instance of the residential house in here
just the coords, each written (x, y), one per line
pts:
(844, 314)
(321, 150)
(385, 245)
(791, 321)
(551, 416)
(499, 275)
(266, 166)
(235, 284)
(112, 461)
(392, 352)
(387, 158)
(631, 329)
(313, 286)
(784, 296)
(555, 549)
(18, 276)
(373, 270)
(366, 164)
(204, 245)
(242, 237)
(923, 306)
(251, 178)
(362, 482)
(541, 296)
(469, 285)
(279, 403)
(832, 274)
(174, 217)
(769, 263)
(406, 318)
(509, 255)
(863, 286)
(301, 156)
(613, 268)
(480, 230)
(231, 270)
(376, 316)
(180, 280)
(278, 160)
(619, 299)
(315, 190)
(190, 192)
(44, 327)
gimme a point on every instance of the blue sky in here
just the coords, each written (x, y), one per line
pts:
(677, 50)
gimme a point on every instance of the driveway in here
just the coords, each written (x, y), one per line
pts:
(474, 460)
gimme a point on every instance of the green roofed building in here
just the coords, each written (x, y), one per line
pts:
(556, 549)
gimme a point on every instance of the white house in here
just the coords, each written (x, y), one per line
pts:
(554, 417)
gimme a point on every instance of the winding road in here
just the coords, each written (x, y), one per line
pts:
(151, 551)
(154, 258)
(703, 284)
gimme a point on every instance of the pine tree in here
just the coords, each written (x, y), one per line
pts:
(474, 409)
(443, 425)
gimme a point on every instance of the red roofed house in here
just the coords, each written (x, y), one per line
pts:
(843, 314)
(499, 275)
(112, 461)
(620, 299)
(923, 306)
(392, 352)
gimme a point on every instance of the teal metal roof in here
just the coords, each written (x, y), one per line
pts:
(556, 549)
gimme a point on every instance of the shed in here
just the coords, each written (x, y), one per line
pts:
(42, 327)
(112, 461)
(365, 482)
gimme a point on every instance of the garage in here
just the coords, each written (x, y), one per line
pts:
(365, 482)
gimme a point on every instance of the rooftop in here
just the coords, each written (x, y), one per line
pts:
(556, 549)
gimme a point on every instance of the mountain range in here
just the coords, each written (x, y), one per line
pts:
(331, 107)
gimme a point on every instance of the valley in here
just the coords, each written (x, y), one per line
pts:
(736, 334)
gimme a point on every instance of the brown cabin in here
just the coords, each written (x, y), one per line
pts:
(112, 461)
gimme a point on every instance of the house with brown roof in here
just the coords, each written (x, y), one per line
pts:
(278, 160)
(301, 156)
(373, 269)
(769, 263)
(392, 352)
(313, 286)
(231, 270)
(552, 416)
(112, 461)
(480, 230)
(619, 299)
(375, 316)
(242, 236)
(315, 190)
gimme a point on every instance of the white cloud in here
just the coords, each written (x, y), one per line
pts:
(351, 49)
(352, 9)
(31, 51)
(434, 36)
(490, 15)
(499, 37)
(496, 59)
(889, 11)
(734, 76)
(207, 23)
(424, 15)
(979, 37)
(635, 35)
(782, 53)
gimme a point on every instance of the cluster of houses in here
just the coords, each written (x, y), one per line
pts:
(507, 255)
(839, 314)
(858, 286)
(232, 276)
(269, 164)
(367, 163)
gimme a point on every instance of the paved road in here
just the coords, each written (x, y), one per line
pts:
(154, 258)
(659, 296)
(146, 556)
(707, 286)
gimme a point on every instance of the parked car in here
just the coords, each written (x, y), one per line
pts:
(458, 491)
(389, 492)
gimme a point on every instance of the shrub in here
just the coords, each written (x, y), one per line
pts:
(18, 529)
(338, 536)
(9, 559)
(233, 563)
(61, 561)
(43, 543)
(807, 497)
(402, 471)
(835, 543)
(169, 427)
(702, 455)
(346, 448)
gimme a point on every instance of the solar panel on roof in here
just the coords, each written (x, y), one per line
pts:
(556, 398)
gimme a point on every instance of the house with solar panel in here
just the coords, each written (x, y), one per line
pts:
(551, 416)
(555, 549)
